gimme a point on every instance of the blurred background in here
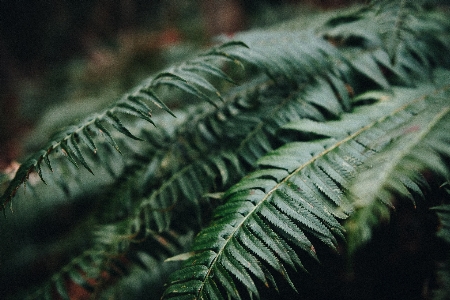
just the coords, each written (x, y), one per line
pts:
(61, 59)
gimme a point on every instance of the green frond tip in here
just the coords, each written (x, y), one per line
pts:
(233, 44)
(85, 136)
(103, 130)
(194, 78)
(208, 68)
(151, 96)
(21, 177)
(75, 149)
(117, 124)
(171, 79)
(134, 106)
(68, 153)
(222, 52)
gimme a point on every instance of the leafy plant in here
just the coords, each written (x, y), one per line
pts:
(286, 142)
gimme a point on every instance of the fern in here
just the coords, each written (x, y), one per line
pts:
(156, 209)
(395, 170)
(296, 140)
(292, 197)
(133, 104)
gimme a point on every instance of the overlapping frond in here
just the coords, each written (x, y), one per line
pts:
(258, 120)
(224, 151)
(319, 152)
(200, 167)
(218, 153)
(299, 192)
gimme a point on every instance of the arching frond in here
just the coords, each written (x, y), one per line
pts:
(246, 146)
(69, 141)
(299, 193)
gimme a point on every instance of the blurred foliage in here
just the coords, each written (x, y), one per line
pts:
(83, 54)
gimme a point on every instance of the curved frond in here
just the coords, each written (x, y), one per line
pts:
(134, 104)
(217, 128)
(416, 139)
(255, 137)
(299, 193)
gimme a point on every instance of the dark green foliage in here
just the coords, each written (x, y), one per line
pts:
(286, 142)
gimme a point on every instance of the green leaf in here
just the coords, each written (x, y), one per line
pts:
(174, 80)
(85, 136)
(393, 171)
(137, 108)
(208, 68)
(198, 80)
(148, 94)
(75, 149)
(367, 65)
(65, 149)
(102, 129)
(117, 124)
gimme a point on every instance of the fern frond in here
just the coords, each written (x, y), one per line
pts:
(261, 134)
(257, 201)
(132, 104)
(98, 267)
(198, 176)
(304, 58)
(416, 140)
(292, 197)
(395, 22)
(326, 178)
(215, 129)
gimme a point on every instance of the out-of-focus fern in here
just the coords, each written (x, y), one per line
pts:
(69, 140)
